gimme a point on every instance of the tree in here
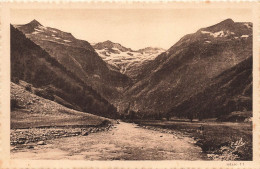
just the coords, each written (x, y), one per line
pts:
(200, 116)
(132, 115)
(158, 116)
(190, 116)
(168, 115)
(126, 111)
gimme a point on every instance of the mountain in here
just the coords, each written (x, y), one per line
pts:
(125, 60)
(77, 56)
(29, 110)
(51, 80)
(151, 50)
(205, 74)
(110, 45)
(230, 91)
(190, 67)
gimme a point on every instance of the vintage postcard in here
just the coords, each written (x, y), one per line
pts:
(130, 85)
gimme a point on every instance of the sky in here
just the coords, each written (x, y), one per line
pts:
(133, 28)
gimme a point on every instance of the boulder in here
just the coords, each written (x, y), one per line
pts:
(41, 143)
(21, 142)
(30, 147)
(84, 133)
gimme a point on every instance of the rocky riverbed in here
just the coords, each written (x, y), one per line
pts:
(22, 138)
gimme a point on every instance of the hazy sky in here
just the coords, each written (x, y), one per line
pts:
(134, 28)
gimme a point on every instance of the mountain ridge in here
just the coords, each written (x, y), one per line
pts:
(79, 57)
(30, 63)
(154, 80)
(189, 66)
(125, 60)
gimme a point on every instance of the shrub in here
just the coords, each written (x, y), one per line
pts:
(105, 123)
(14, 104)
(44, 93)
(63, 102)
(15, 80)
(28, 87)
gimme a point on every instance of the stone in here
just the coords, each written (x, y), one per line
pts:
(84, 133)
(30, 147)
(22, 138)
(21, 142)
(77, 133)
(41, 143)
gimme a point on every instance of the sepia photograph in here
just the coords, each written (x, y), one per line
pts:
(131, 84)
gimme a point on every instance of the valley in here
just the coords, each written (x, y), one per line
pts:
(105, 101)
(125, 142)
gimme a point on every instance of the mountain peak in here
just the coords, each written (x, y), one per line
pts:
(227, 24)
(108, 41)
(151, 50)
(109, 44)
(227, 21)
(35, 23)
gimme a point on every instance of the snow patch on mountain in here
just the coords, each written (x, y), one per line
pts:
(244, 36)
(248, 25)
(38, 30)
(125, 59)
(217, 34)
(42, 27)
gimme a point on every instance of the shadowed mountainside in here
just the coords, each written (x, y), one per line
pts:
(189, 67)
(230, 91)
(79, 57)
(33, 111)
(205, 74)
(29, 62)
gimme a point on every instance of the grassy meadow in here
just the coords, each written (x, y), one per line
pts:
(220, 140)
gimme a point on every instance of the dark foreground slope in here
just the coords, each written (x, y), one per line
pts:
(189, 67)
(31, 111)
(29, 62)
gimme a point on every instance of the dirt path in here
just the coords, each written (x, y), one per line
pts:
(125, 142)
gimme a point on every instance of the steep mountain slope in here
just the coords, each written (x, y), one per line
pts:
(189, 67)
(31, 110)
(77, 56)
(125, 60)
(230, 91)
(29, 62)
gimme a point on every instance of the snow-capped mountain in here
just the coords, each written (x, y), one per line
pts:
(37, 32)
(123, 59)
(35, 66)
(78, 57)
(200, 66)
(212, 66)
